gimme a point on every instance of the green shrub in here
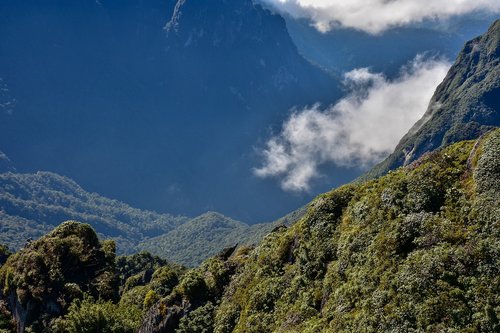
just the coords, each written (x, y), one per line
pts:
(90, 316)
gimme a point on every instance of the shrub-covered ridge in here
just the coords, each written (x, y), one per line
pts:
(417, 250)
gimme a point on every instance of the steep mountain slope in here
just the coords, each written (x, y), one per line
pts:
(154, 102)
(417, 250)
(464, 106)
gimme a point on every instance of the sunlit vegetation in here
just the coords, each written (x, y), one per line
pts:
(204, 236)
(416, 250)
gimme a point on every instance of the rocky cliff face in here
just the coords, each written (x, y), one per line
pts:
(464, 106)
(240, 43)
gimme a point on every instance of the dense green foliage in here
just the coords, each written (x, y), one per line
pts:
(40, 281)
(200, 320)
(205, 236)
(464, 106)
(209, 233)
(191, 305)
(69, 281)
(134, 264)
(416, 251)
(4, 254)
(90, 316)
(145, 279)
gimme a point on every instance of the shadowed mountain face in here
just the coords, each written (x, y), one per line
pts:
(464, 106)
(156, 103)
(345, 49)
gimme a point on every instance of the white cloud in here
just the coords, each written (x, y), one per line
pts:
(7, 103)
(375, 16)
(359, 130)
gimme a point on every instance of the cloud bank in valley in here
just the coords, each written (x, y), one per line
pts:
(359, 130)
(375, 16)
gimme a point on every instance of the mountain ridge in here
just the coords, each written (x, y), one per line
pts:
(415, 250)
(464, 106)
(206, 235)
(31, 205)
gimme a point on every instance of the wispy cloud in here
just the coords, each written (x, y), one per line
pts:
(7, 103)
(375, 16)
(360, 129)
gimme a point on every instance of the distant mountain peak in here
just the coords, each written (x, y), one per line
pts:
(222, 23)
(202, 95)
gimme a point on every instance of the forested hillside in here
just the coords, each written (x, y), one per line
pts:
(416, 250)
(31, 205)
(205, 236)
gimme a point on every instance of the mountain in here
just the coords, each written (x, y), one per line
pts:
(465, 105)
(31, 205)
(343, 49)
(157, 103)
(206, 235)
(415, 250)
(389, 254)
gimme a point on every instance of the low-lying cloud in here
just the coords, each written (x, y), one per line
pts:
(359, 130)
(375, 16)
